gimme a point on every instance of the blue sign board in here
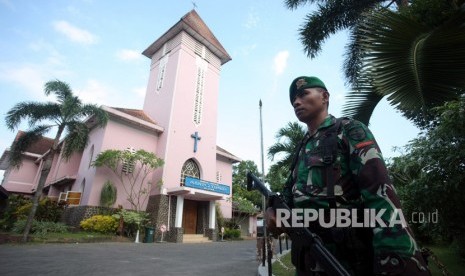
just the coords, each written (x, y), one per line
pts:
(206, 185)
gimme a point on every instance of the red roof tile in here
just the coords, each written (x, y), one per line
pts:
(39, 147)
(140, 114)
(195, 26)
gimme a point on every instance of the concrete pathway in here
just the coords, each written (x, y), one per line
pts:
(216, 258)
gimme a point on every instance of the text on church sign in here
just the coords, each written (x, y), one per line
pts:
(206, 185)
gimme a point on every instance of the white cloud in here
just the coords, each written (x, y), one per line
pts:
(252, 20)
(95, 92)
(29, 77)
(280, 62)
(128, 55)
(73, 33)
(8, 4)
(139, 91)
(54, 57)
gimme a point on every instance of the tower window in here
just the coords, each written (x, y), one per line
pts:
(161, 72)
(199, 87)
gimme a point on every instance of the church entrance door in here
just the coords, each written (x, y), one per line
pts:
(189, 218)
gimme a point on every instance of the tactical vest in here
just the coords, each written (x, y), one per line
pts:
(360, 253)
(327, 149)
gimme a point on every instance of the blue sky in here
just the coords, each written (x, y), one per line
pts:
(96, 46)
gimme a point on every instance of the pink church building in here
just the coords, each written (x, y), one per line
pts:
(178, 123)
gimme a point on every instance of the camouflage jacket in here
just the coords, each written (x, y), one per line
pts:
(361, 181)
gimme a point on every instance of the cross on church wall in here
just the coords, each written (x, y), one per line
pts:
(196, 139)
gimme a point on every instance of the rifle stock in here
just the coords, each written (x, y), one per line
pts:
(300, 235)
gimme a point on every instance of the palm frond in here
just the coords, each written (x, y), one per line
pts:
(71, 109)
(330, 18)
(293, 4)
(288, 139)
(412, 64)
(361, 102)
(61, 89)
(76, 139)
(34, 112)
(24, 142)
(94, 110)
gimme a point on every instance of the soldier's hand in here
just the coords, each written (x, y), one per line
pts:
(270, 216)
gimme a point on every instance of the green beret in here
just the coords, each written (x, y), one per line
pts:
(304, 82)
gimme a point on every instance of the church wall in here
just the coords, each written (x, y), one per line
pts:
(86, 173)
(224, 167)
(67, 167)
(159, 103)
(181, 146)
(24, 179)
(119, 135)
(53, 169)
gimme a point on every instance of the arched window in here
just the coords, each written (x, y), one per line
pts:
(190, 168)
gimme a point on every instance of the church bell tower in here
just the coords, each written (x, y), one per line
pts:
(182, 97)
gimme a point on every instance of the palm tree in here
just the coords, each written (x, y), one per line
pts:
(331, 17)
(66, 115)
(289, 138)
(401, 53)
(416, 66)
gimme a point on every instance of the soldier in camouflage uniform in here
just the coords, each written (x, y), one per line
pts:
(339, 165)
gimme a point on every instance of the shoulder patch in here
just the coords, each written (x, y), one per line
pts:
(357, 133)
(364, 144)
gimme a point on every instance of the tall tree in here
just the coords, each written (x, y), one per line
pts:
(288, 139)
(239, 182)
(276, 177)
(430, 176)
(329, 18)
(393, 51)
(65, 115)
(132, 168)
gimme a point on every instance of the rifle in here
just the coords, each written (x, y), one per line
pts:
(300, 235)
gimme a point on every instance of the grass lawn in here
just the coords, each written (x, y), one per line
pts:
(445, 254)
(69, 237)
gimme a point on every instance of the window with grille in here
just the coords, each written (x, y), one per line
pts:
(190, 168)
(128, 164)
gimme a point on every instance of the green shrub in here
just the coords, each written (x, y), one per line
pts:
(108, 194)
(132, 220)
(232, 233)
(101, 224)
(47, 210)
(40, 227)
(9, 216)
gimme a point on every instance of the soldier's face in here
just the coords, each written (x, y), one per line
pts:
(309, 103)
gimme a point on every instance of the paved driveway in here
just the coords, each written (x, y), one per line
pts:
(216, 258)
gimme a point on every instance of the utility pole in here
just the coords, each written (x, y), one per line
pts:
(267, 246)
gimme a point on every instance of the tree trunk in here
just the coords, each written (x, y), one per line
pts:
(40, 186)
(35, 201)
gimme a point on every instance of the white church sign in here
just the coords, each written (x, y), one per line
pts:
(207, 186)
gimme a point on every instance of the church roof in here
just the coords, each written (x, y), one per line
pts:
(225, 153)
(134, 116)
(136, 113)
(195, 26)
(40, 147)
